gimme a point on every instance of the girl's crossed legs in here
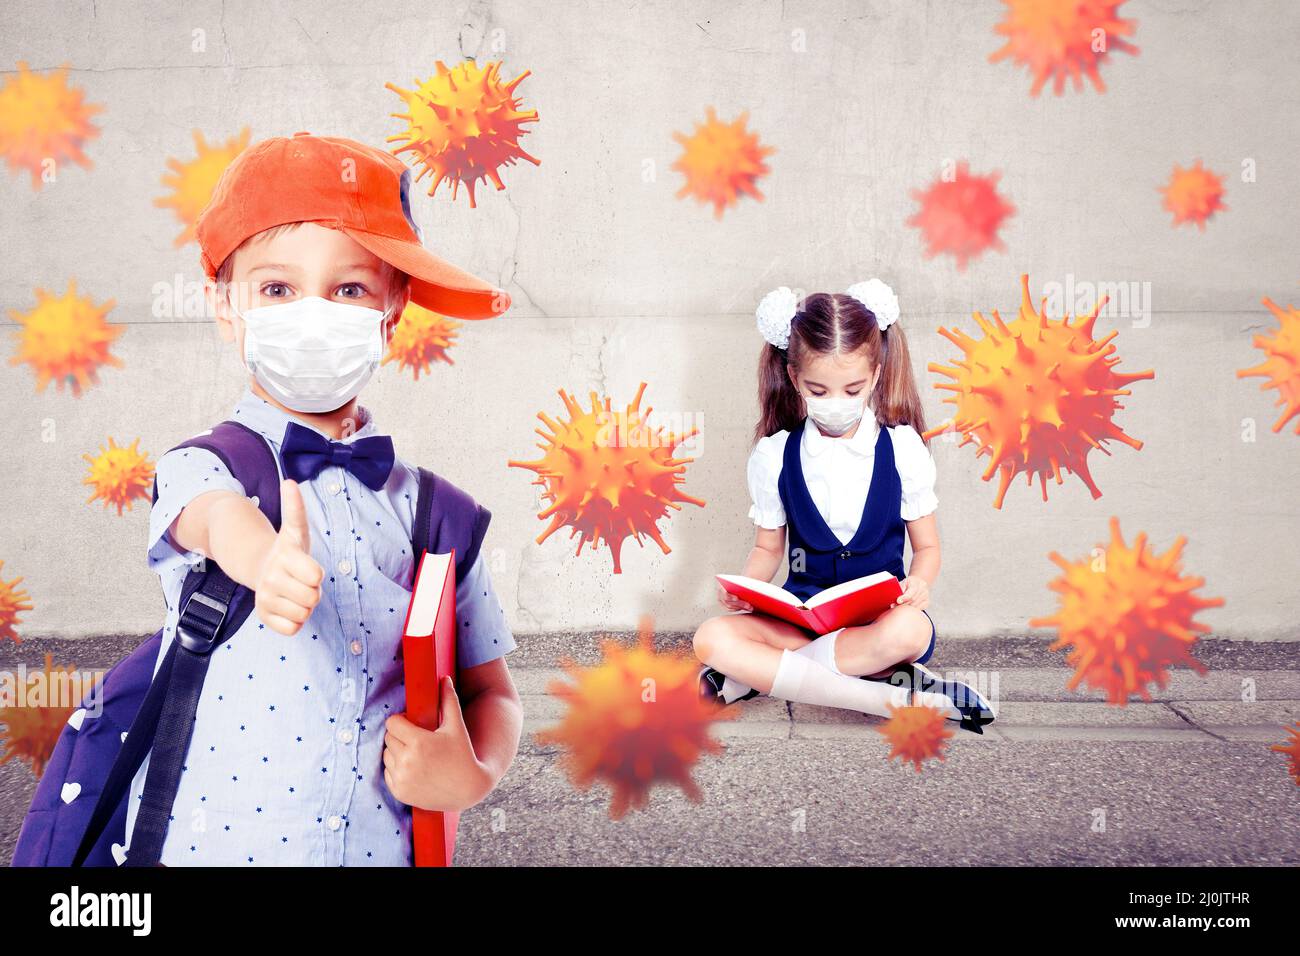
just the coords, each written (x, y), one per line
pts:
(748, 647)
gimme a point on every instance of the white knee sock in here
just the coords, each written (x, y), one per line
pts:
(801, 679)
(821, 650)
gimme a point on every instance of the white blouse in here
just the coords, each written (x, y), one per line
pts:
(838, 474)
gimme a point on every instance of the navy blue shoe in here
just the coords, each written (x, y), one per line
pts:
(975, 710)
(711, 687)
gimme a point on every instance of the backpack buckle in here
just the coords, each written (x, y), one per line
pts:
(197, 627)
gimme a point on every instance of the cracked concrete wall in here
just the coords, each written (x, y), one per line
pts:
(617, 282)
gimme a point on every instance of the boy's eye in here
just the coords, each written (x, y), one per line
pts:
(275, 290)
(352, 290)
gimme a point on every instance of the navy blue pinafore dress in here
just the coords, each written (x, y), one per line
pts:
(825, 560)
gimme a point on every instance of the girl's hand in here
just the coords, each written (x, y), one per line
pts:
(731, 602)
(916, 592)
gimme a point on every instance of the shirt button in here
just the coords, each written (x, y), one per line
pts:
(334, 823)
(356, 647)
(345, 736)
(845, 554)
(345, 566)
(334, 487)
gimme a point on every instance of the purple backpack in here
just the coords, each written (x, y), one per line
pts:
(140, 713)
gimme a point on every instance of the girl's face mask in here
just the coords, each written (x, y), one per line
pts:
(313, 354)
(835, 416)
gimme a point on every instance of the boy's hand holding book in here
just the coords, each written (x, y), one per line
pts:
(288, 582)
(434, 769)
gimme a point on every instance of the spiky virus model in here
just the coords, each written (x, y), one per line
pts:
(119, 475)
(1035, 395)
(1057, 39)
(1282, 366)
(30, 730)
(608, 476)
(1126, 615)
(421, 338)
(464, 125)
(65, 340)
(1193, 195)
(1292, 749)
(916, 733)
(721, 162)
(633, 721)
(192, 182)
(961, 215)
(41, 119)
(13, 599)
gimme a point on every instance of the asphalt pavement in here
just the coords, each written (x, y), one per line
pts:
(1061, 777)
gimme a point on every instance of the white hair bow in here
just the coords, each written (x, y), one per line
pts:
(879, 298)
(775, 313)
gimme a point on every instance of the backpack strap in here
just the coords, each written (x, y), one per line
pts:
(213, 607)
(445, 518)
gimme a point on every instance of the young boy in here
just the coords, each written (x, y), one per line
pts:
(301, 754)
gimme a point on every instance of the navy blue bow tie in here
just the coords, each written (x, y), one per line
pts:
(306, 451)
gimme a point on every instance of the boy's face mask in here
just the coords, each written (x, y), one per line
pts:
(835, 416)
(313, 354)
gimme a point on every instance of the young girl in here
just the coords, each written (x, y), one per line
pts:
(839, 472)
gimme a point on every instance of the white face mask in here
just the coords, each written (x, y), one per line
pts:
(835, 416)
(312, 354)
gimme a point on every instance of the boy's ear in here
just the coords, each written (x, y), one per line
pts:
(219, 309)
(391, 325)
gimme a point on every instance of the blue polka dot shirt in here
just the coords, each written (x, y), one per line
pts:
(286, 764)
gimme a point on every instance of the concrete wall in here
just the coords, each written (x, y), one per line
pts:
(616, 281)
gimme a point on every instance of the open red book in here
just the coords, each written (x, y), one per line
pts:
(855, 602)
(429, 652)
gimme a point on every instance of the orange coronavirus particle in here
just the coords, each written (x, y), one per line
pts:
(1292, 750)
(13, 599)
(960, 214)
(31, 720)
(608, 476)
(1035, 395)
(1193, 195)
(192, 182)
(43, 121)
(1126, 614)
(1057, 39)
(65, 339)
(1282, 366)
(635, 720)
(119, 475)
(421, 338)
(464, 124)
(721, 162)
(916, 733)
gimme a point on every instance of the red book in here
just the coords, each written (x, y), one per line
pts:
(855, 602)
(429, 652)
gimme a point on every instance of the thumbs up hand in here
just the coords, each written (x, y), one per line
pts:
(288, 584)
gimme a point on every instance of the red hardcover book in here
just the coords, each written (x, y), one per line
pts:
(850, 604)
(429, 652)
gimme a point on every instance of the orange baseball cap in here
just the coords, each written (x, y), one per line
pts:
(362, 191)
